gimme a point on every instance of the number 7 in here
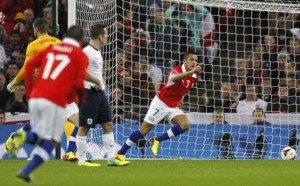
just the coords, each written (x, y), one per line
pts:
(157, 110)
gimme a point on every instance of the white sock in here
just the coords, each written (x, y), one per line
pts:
(109, 145)
(81, 148)
(170, 133)
(72, 139)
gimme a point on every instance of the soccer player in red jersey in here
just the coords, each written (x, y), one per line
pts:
(166, 105)
(62, 68)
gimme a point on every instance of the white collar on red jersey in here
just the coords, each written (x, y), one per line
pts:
(184, 70)
(71, 41)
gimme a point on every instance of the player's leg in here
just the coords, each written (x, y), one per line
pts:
(183, 124)
(133, 138)
(42, 154)
(105, 118)
(109, 141)
(73, 117)
(8, 143)
(48, 132)
(157, 112)
(26, 127)
(109, 145)
(72, 141)
(87, 120)
(81, 144)
(20, 138)
(81, 148)
(71, 131)
(69, 126)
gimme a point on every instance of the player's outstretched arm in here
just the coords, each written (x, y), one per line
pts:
(179, 77)
(30, 51)
(29, 70)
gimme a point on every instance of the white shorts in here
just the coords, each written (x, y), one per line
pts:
(72, 109)
(159, 110)
(47, 119)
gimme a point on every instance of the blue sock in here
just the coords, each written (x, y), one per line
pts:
(72, 144)
(174, 131)
(133, 138)
(32, 138)
(40, 157)
(27, 127)
(47, 145)
(33, 164)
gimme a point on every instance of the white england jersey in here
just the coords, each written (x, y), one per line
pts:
(247, 107)
(95, 67)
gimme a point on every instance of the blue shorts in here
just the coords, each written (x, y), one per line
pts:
(95, 110)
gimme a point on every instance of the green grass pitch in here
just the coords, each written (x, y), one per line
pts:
(160, 173)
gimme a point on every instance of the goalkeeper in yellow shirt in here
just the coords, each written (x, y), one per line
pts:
(40, 27)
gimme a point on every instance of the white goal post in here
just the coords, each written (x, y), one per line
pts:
(250, 52)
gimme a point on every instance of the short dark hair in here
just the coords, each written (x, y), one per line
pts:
(250, 81)
(41, 24)
(259, 110)
(75, 32)
(15, 32)
(291, 75)
(188, 54)
(251, 85)
(2, 111)
(96, 30)
(12, 62)
(283, 82)
(219, 110)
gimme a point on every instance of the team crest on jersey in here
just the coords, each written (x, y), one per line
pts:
(89, 121)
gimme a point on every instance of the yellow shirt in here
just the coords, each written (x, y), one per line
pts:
(32, 49)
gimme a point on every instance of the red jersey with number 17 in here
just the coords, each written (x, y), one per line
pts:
(62, 68)
(172, 93)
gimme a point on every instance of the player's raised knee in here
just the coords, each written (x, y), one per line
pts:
(185, 126)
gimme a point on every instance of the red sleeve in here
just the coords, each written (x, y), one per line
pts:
(29, 71)
(81, 76)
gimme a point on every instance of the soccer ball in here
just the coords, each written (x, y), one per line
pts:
(288, 153)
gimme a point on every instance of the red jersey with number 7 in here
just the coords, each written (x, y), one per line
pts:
(172, 92)
(62, 68)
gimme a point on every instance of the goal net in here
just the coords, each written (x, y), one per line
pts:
(246, 102)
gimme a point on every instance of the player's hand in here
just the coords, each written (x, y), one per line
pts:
(98, 87)
(197, 69)
(11, 87)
